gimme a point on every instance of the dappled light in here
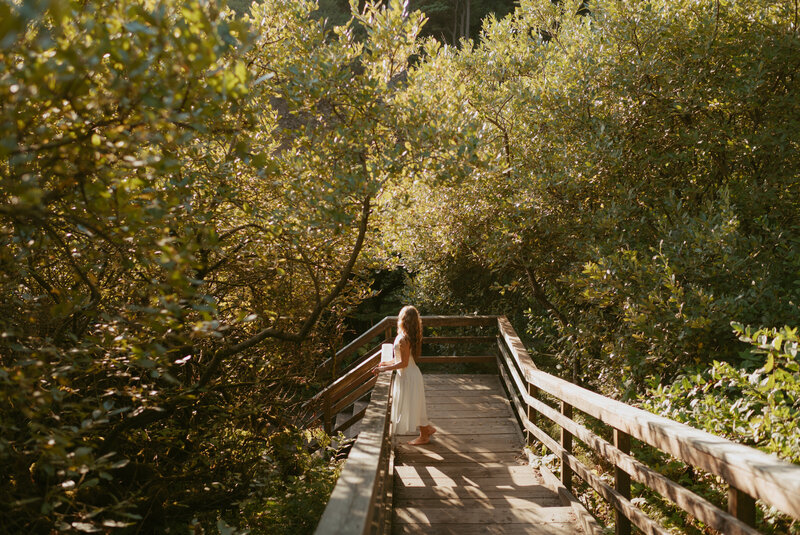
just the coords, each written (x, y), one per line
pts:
(211, 209)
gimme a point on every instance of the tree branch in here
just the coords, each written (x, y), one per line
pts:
(310, 321)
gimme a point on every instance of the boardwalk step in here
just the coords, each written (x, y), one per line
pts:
(485, 529)
(342, 417)
(479, 512)
(472, 478)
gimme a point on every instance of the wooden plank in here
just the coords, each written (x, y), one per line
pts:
(474, 425)
(350, 421)
(742, 506)
(622, 483)
(685, 499)
(432, 458)
(585, 519)
(758, 474)
(469, 491)
(466, 478)
(474, 403)
(354, 395)
(468, 444)
(460, 430)
(460, 464)
(452, 388)
(542, 496)
(357, 375)
(486, 415)
(467, 396)
(485, 529)
(566, 445)
(517, 474)
(467, 379)
(351, 505)
(642, 521)
(455, 359)
(457, 321)
(535, 514)
(458, 339)
(375, 330)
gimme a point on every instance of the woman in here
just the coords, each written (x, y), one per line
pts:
(408, 408)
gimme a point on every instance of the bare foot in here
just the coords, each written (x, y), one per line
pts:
(428, 430)
(425, 433)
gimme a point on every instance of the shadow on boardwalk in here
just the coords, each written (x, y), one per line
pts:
(472, 478)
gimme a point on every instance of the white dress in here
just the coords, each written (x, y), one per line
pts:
(409, 411)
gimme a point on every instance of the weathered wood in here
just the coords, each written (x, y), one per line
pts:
(453, 359)
(442, 388)
(462, 379)
(376, 330)
(642, 521)
(687, 500)
(566, 445)
(552, 528)
(585, 519)
(431, 458)
(758, 474)
(352, 504)
(532, 515)
(458, 339)
(456, 321)
(442, 475)
(530, 414)
(327, 415)
(350, 421)
(465, 397)
(354, 395)
(451, 492)
(467, 478)
(742, 506)
(622, 483)
(389, 492)
(356, 376)
(542, 495)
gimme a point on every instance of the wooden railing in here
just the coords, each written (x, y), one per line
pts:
(362, 498)
(357, 379)
(750, 474)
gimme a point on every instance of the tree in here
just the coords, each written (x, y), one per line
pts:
(186, 201)
(632, 187)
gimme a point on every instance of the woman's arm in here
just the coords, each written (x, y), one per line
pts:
(404, 349)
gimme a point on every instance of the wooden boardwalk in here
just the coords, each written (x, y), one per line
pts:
(473, 477)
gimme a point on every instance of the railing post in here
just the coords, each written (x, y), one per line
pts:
(387, 333)
(326, 413)
(566, 443)
(532, 392)
(742, 506)
(622, 483)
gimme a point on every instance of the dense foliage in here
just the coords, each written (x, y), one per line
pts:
(185, 197)
(632, 188)
(193, 200)
(633, 181)
(755, 402)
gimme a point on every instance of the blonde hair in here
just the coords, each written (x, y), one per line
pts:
(409, 325)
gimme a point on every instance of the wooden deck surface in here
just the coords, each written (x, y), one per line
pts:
(472, 478)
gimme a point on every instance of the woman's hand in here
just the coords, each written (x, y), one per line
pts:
(376, 370)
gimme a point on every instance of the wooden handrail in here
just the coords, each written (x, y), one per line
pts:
(389, 321)
(356, 504)
(749, 472)
(357, 381)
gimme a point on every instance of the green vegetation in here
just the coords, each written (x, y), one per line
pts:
(195, 201)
